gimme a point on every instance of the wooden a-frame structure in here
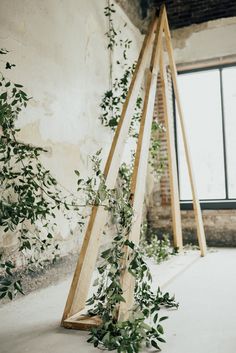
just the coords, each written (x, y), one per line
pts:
(150, 63)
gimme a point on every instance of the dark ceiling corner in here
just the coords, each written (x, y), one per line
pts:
(181, 13)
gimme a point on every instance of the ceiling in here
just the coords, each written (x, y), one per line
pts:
(181, 13)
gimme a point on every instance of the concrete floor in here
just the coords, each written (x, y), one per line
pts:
(204, 323)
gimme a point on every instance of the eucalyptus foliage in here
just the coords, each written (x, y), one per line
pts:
(144, 325)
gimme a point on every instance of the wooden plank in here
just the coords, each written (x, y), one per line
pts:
(87, 260)
(83, 323)
(138, 182)
(172, 164)
(196, 205)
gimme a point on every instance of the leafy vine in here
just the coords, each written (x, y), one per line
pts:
(130, 335)
(114, 98)
(31, 196)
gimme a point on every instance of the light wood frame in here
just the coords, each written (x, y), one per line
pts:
(149, 67)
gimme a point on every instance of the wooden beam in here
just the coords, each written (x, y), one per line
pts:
(172, 164)
(138, 182)
(87, 259)
(83, 323)
(196, 205)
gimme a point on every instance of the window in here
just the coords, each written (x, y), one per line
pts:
(209, 104)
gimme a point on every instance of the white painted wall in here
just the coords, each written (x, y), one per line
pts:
(59, 49)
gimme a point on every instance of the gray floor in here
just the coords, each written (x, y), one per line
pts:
(204, 323)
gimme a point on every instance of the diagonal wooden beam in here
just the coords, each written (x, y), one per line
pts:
(87, 259)
(138, 181)
(196, 205)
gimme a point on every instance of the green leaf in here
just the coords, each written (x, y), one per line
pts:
(10, 296)
(9, 264)
(160, 329)
(105, 253)
(5, 282)
(18, 287)
(2, 295)
(163, 318)
(8, 271)
(154, 344)
(3, 96)
(3, 289)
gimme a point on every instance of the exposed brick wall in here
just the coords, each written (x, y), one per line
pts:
(159, 200)
(220, 225)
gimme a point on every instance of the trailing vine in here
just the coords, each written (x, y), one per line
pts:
(114, 98)
(31, 197)
(130, 335)
(25, 187)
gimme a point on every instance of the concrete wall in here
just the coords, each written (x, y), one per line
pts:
(194, 45)
(59, 48)
(210, 40)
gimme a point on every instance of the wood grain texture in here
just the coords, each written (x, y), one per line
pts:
(83, 323)
(138, 181)
(87, 259)
(172, 164)
(196, 205)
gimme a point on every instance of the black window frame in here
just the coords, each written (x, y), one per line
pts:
(210, 204)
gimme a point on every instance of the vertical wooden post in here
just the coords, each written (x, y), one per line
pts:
(196, 205)
(174, 188)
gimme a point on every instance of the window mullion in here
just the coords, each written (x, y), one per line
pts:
(224, 137)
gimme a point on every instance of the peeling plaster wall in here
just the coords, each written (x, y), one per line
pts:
(208, 40)
(59, 48)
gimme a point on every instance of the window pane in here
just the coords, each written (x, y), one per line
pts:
(229, 94)
(201, 100)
